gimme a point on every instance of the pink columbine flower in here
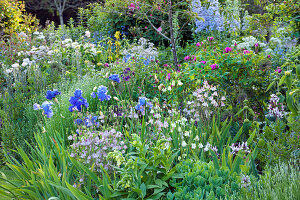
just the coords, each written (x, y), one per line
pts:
(214, 66)
(256, 45)
(198, 44)
(146, 27)
(165, 65)
(159, 29)
(246, 52)
(169, 76)
(227, 49)
(235, 44)
(106, 65)
(269, 56)
(204, 62)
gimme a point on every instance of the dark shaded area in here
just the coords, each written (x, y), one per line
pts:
(44, 15)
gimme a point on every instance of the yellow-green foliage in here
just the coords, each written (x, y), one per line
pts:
(13, 19)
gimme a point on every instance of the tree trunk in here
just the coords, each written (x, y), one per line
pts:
(61, 18)
(173, 42)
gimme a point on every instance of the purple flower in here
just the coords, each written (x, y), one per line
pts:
(210, 38)
(115, 77)
(227, 49)
(106, 65)
(214, 66)
(169, 76)
(246, 52)
(187, 58)
(52, 94)
(278, 70)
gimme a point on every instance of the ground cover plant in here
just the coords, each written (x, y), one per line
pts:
(122, 104)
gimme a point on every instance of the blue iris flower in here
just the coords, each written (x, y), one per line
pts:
(77, 101)
(88, 121)
(143, 102)
(52, 94)
(115, 77)
(78, 121)
(101, 93)
(46, 106)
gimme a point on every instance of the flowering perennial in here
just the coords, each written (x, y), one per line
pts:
(77, 101)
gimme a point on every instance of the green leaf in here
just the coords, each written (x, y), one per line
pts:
(269, 87)
(215, 159)
(282, 80)
(236, 164)
(143, 189)
(77, 193)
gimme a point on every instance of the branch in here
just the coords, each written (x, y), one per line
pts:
(160, 33)
(182, 28)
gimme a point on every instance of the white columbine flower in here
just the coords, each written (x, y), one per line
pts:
(187, 133)
(183, 144)
(196, 138)
(180, 83)
(200, 145)
(193, 146)
(16, 65)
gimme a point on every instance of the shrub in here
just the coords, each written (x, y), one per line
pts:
(202, 181)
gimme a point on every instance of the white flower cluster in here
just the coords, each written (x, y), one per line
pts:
(248, 43)
(88, 47)
(38, 35)
(144, 49)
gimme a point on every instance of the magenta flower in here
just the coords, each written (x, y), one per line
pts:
(165, 65)
(131, 7)
(106, 65)
(246, 52)
(210, 38)
(204, 62)
(227, 49)
(169, 76)
(256, 45)
(278, 70)
(269, 56)
(198, 44)
(214, 66)
(187, 58)
(159, 29)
